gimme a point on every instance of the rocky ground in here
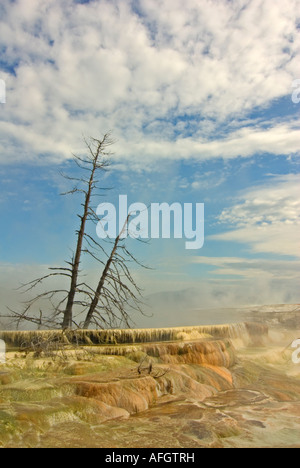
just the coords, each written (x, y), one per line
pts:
(198, 393)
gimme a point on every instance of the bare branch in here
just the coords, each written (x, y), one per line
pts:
(117, 292)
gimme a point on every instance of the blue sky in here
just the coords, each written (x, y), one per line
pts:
(198, 95)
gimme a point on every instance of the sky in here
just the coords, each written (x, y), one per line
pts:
(202, 99)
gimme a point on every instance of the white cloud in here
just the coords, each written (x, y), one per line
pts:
(267, 218)
(252, 268)
(86, 68)
(281, 139)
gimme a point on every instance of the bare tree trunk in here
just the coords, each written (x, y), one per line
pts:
(68, 314)
(95, 301)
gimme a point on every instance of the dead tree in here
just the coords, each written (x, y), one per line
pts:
(116, 291)
(95, 161)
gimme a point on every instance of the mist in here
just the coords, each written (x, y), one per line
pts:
(203, 302)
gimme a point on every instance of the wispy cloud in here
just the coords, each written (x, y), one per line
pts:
(252, 268)
(163, 78)
(266, 218)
